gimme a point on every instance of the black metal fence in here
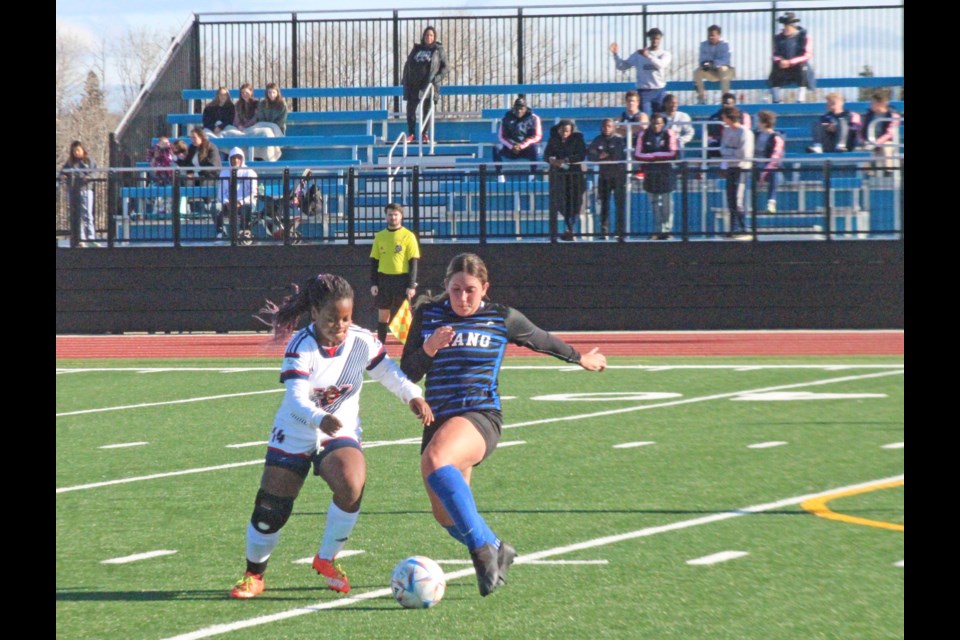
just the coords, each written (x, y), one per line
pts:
(817, 200)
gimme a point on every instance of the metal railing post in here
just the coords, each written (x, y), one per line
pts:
(175, 206)
(754, 178)
(415, 198)
(827, 197)
(351, 205)
(520, 60)
(396, 58)
(482, 195)
(684, 204)
(233, 207)
(295, 58)
(285, 190)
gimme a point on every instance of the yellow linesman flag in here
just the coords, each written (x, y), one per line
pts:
(400, 324)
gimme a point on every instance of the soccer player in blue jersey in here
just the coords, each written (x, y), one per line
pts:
(458, 340)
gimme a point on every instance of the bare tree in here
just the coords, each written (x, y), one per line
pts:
(71, 60)
(136, 54)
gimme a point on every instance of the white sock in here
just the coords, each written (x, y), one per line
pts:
(260, 545)
(802, 94)
(336, 531)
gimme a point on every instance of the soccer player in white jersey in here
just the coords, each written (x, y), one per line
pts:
(318, 423)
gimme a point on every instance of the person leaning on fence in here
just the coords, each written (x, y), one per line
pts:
(837, 130)
(271, 120)
(736, 148)
(792, 51)
(714, 63)
(884, 143)
(75, 176)
(657, 151)
(426, 65)
(610, 150)
(246, 193)
(566, 152)
(219, 114)
(393, 267)
(651, 64)
(770, 144)
(520, 134)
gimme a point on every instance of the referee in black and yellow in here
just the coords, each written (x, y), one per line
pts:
(393, 267)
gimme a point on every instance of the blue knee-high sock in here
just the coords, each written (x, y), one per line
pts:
(453, 531)
(454, 493)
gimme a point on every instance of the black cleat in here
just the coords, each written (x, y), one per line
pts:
(485, 562)
(504, 559)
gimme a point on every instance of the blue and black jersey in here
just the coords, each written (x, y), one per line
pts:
(463, 376)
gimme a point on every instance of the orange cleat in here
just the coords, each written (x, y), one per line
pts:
(336, 577)
(250, 585)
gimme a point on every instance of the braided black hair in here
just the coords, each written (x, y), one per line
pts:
(315, 293)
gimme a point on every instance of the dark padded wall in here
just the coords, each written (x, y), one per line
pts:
(583, 286)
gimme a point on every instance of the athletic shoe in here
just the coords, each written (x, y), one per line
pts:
(531, 178)
(426, 138)
(485, 562)
(250, 585)
(501, 178)
(771, 206)
(815, 148)
(411, 138)
(336, 578)
(505, 557)
(567, 236)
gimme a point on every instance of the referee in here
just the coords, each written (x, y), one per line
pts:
(393, 267)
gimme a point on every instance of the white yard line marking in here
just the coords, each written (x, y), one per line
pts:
(766, 445)
(573, 562)
(218, 629)
(893, 445)
(714, 558)
(629, 445)
(511, 443)
(898, 563)
(240, 445)
(122, 445)
(512, 426)
(139, 556)
(346, 553)
(160, 404)
(805, 395)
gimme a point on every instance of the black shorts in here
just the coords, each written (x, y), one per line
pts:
(391, 291)
(488, 423)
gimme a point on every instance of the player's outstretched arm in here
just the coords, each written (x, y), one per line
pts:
(593, 360)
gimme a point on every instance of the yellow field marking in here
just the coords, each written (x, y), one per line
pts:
(818, 506)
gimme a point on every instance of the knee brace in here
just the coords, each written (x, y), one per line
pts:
(270, 512)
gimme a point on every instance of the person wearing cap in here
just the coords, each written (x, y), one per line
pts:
(714, 63)
(651, 64)
(520, 133)
(426, 65)
(792, 51)
(246, 193)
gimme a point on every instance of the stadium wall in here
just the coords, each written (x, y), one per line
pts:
(567, 287)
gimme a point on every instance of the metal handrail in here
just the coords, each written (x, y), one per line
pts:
(391, 170)
(427, 94)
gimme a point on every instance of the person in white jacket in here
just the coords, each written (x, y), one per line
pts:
(651, 64)
(246, 194)
(736, 149)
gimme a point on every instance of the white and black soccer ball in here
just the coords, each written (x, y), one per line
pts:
(418, 582)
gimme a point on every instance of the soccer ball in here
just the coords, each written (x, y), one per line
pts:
(418, 582)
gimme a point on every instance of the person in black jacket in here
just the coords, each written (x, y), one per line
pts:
(426, 65)
(657, 150)
(792, 51)
(610, 149)
(566, 152)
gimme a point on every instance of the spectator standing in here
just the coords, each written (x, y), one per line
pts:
(520, 133)
(272, 117)
(566, 151)
(883, 145)
(426, 65)
(393, 267)
(715, 131)
(770, 144)
(633, 120)
(75, 176)
(792, 51)
(246, 193)
(611, 150)
(837, 130)
(736, 148)
(658, 149)
(219, 114)
(678, 121)
(651, 64)
(714, 61)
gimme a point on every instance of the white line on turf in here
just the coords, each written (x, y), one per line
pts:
(893, 445)
(160, 404)
(122, 445)
(219, 629)
(343, 554)
(898, 563)
(139, 556)
(629, 445)
(714, 558)
(766, 445)
(241, 445)
(538, 562)
(511, 443)
(581, 416)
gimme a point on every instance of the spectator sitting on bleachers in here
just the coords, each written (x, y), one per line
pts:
(769, 144)
(520, 133)
(246, 194)
(161, 156)
(271, 120)
(610, 149)
(715, 131)
(203, 153)
(632, 115)
(792, 51)
(678, 121)
(219, 113)
(566, 152)
(426, 65)
(714, 61)
(884, 145)
(836, 130)
(245, 108)
(657, 150)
